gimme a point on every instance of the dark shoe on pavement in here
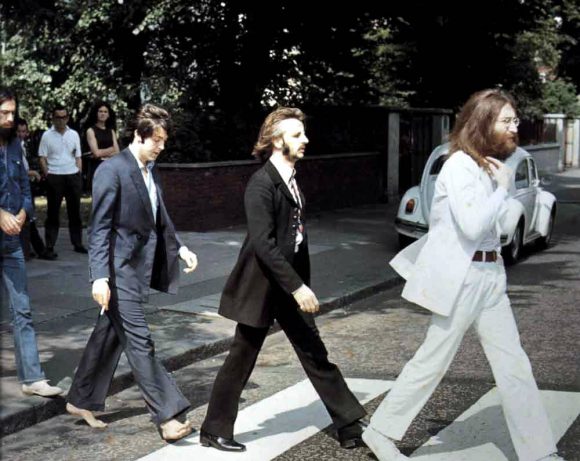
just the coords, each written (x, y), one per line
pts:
(350, 436)
(80, 249)
(221, 443)
(48, 254)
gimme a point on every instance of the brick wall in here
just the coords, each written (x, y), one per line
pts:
(208, 196)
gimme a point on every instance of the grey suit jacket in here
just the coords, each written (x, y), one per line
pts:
(125, 243)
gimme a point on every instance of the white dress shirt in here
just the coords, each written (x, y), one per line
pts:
(149, 183)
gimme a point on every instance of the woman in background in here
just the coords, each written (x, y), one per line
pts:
(101, 136)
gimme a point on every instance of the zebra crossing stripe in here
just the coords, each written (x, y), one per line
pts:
(481, 433)
(272, 426)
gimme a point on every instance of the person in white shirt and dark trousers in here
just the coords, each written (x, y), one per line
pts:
(60, 160)
(469, 203)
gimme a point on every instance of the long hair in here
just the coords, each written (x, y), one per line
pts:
(473, 132)
(92, 117)
(270, 130)
(6, 94)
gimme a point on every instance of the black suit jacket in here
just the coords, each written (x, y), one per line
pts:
(125, 243)
(267, 270)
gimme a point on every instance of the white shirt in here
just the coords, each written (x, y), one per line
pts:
(149, 183)
(60, 150)
(288, 175)
(491, 241)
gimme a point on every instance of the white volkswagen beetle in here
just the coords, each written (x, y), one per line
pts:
(530, 218)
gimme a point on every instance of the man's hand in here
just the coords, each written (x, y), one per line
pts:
(306, 300)
(189, 258)
(102, 293)
(34, 175)
(21, 217)
(9, 223)
(500, 172)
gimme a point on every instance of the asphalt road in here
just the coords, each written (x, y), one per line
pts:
(370, 340)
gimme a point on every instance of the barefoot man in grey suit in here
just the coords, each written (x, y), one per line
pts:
(133, 246)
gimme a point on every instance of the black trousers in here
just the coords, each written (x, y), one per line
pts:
(67, 186)
(325, 376)
(31, 237)
(124, 328)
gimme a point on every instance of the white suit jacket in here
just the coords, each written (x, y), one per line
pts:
(465, 209)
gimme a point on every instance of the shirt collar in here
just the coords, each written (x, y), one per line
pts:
(285, 170)
(66, 128)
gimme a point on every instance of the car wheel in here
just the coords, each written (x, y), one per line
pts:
(511, 253)
(544, 242)
(405, 241)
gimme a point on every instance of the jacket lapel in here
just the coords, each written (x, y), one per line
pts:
(279, 182)
(139, 182)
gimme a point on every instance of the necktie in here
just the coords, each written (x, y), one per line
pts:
(296, 194)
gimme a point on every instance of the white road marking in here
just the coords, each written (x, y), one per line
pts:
(481, 433)
(273, 425)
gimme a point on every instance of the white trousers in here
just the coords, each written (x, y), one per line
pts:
(482, 302)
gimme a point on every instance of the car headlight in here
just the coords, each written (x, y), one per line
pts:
(410, 206)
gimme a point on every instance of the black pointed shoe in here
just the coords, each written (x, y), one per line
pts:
(220, 443)
(350, 436)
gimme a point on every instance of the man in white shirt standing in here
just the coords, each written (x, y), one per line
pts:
(469, 203)
(60, 161)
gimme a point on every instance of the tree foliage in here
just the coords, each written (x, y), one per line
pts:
(218, 66)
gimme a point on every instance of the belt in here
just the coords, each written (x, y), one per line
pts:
(485, 256)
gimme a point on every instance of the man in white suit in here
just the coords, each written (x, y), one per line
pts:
(466, 215)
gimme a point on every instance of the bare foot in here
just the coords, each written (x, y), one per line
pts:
(173, 430)
(87, 415)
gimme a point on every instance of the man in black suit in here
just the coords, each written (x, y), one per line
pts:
(270, 281)
(133, 246)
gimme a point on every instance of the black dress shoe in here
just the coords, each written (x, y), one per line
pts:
(350, 436)
(80, 249)
(48, 254)
(221, 443)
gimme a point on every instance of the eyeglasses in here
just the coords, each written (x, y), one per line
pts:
(508, 121)
(60, 117)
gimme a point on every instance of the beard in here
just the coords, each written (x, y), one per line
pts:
(503, 145)
(6, 134)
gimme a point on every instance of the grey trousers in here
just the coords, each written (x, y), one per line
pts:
(124, 328)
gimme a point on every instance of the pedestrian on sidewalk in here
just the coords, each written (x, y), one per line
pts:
(15, 206)
(470, 200)
(60, 161)
(101, 136)
(30, 234)
(270, 281)
(132, 246)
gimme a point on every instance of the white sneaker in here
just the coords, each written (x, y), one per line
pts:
(552, 457)
(383, 447)
(41, 388)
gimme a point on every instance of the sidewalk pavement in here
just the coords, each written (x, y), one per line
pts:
(349, 249)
